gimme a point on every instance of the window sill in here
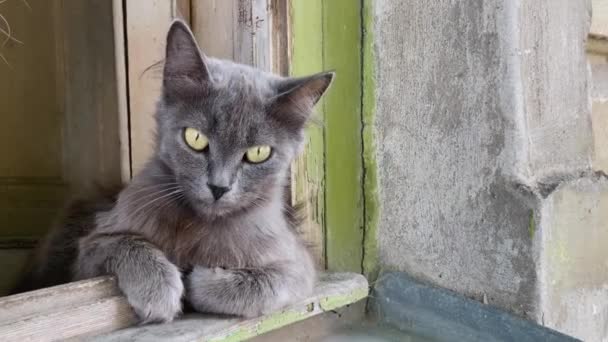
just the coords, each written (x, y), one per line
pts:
(95, 307)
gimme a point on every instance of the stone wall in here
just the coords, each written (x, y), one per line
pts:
(491, 161)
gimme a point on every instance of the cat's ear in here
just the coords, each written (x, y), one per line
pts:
(296, 98)
(184, 63)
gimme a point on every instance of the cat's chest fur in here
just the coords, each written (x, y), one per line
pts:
(219, 244)
(248, 240)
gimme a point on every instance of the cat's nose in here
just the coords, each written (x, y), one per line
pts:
(218, 191)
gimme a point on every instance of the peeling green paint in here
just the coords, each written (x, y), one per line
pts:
(532, 225)
(370, 178)
(280, 319)
(268, 323)
(343, 145)
(334, 302)
(327, 35)
(238, 335)
(306, 59)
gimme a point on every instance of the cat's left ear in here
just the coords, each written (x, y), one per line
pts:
(296, 98)
(184, 63)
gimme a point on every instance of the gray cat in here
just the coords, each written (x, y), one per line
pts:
(205, 219)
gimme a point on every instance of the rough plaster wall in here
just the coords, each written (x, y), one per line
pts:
(574, 263)
(446, 123)
(555, 80)
(482, 111)
(599, 67)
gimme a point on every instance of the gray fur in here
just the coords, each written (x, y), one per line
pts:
(243, 256)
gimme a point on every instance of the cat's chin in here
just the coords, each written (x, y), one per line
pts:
(222, 210)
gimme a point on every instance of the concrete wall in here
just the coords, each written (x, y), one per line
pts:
(486, 154)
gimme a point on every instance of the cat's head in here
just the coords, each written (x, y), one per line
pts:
(228, 132)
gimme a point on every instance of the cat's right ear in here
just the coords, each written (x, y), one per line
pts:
(297, 97)
(184, 63)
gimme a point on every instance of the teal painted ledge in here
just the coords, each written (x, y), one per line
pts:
(437, 314)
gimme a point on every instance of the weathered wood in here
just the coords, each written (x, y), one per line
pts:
(308, 171)
(92, 307)
(32, 110)
(78, 309)
(122, 90)
(91, 138)
(280, 32)
(212, 25)
(597, 45)
(147, 23)
(257, 28)
(54, 298)
(599, 22)
(59, 102)
(332, 292)
(343, 138)
(72, 322)
(239, 30)
(183, 10)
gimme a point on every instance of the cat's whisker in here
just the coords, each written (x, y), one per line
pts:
(160, 175)
(154, 185)
(155, 194)
(161, 206)
(154, 201)
(151, 191)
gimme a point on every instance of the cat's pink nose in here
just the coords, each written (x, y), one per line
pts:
(218, 191)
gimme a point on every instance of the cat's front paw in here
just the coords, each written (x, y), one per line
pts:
(155, 293)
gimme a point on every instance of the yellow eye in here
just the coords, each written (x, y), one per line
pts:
(258, 154)
(195, 139)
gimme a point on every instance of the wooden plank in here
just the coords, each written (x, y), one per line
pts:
(343, 140)
(599, 22)
(182, 10)
(64, 122)
(332, 292)
(213, 27)
(597, 45)
(32, 109)
(308, 188)
(73, 322)
(257, 28)
(147, 23)
(78, 309)
(239, 30)
(280, 33)
(91, 143)
(120, 57)
(32, 92)
(93, 307)
(16, 307)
